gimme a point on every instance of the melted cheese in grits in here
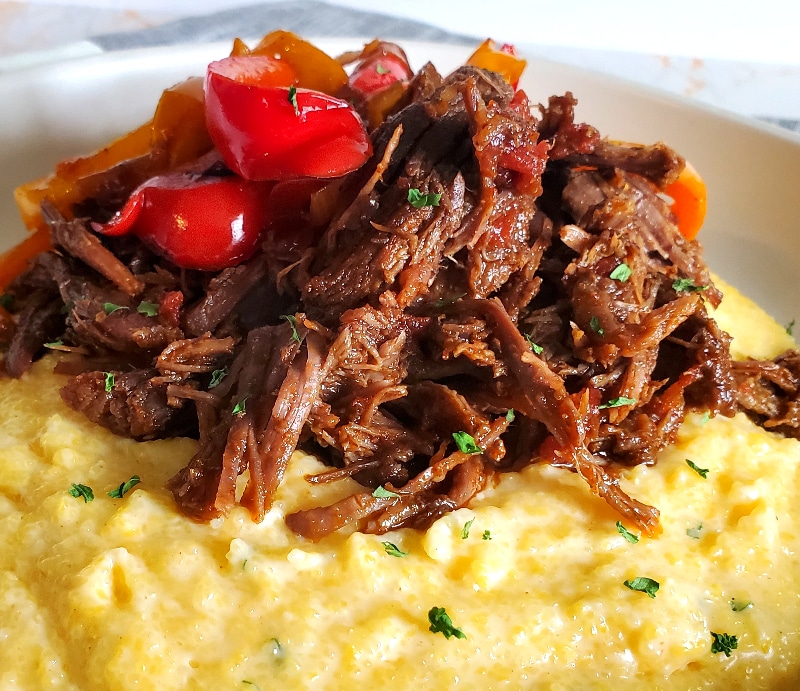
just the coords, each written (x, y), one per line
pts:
(128, 594)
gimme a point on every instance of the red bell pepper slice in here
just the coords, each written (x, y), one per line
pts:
(205, 223)
(382, 65)
(269, 131)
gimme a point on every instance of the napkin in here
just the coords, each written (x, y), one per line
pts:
(304, 17)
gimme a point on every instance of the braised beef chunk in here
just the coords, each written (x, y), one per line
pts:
(492, 289)
(769, 392)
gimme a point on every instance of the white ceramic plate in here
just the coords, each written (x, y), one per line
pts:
(752, 232)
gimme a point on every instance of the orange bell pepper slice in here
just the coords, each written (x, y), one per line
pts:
(176, 134)
(689, 197)
(315, 69)
(503, 60)
(14, 261)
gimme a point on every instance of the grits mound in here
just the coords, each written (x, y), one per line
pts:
(126, 593)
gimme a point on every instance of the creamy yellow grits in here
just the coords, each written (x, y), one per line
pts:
(126, 593)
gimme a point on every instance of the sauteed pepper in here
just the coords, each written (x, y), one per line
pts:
(205, 223)
(266, 129)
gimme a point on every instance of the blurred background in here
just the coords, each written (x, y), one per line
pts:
(739, 56)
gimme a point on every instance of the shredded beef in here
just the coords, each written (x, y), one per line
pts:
(495, 311)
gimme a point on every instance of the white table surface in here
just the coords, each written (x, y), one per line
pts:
(739, 56)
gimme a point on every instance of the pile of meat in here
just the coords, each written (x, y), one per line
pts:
(542, 307)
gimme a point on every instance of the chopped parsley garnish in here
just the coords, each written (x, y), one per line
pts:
(790, 327)
(465, 529)
(53, 344)
(124, 488)
(466, 443)
(440, 622)
(81, 491)
(149, 309)
(217, 376)
(109, 381)
(706, 417)
(393, 550)
(535, 347)
(380, 69)
(293, 99)
(6, 301)
(627, 534)
(695, 532)
(419, 200)
(510, 415)
(110, 307)
(240, 408)
(643, 584)
(622, 273)
(382, 493)
(739, 605)
(487, 535)
(617, 402)
(702, 472)
(594, 325)
(293, 324)
(687, 285)
(277, 648)
(723, 643)
(251, 683)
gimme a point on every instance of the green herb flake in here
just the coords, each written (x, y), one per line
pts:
(393, 550)
(293, 324)
(622, 273)
(251, 683)
(702, 472)
(487, 535)
(293, 99)
(149, 309)
(124, 488)
(440, 622)
(217, 376)
(723, 643)
(739, 605)
(6, 301)
(704, 420)
(466, 443)
(465, 529)
(81, 491)
(510, 415)
(54, 344)
(277, 648)
(790, 327)
(382, 493)
(240, 408)
(627, 534)
(419, 200)
(380, 69)
(617, 402)
(110, 307)
(108, 377)
(535, 347)
(696, 532)
(687, 285)
(594, 325)
(643, 584)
